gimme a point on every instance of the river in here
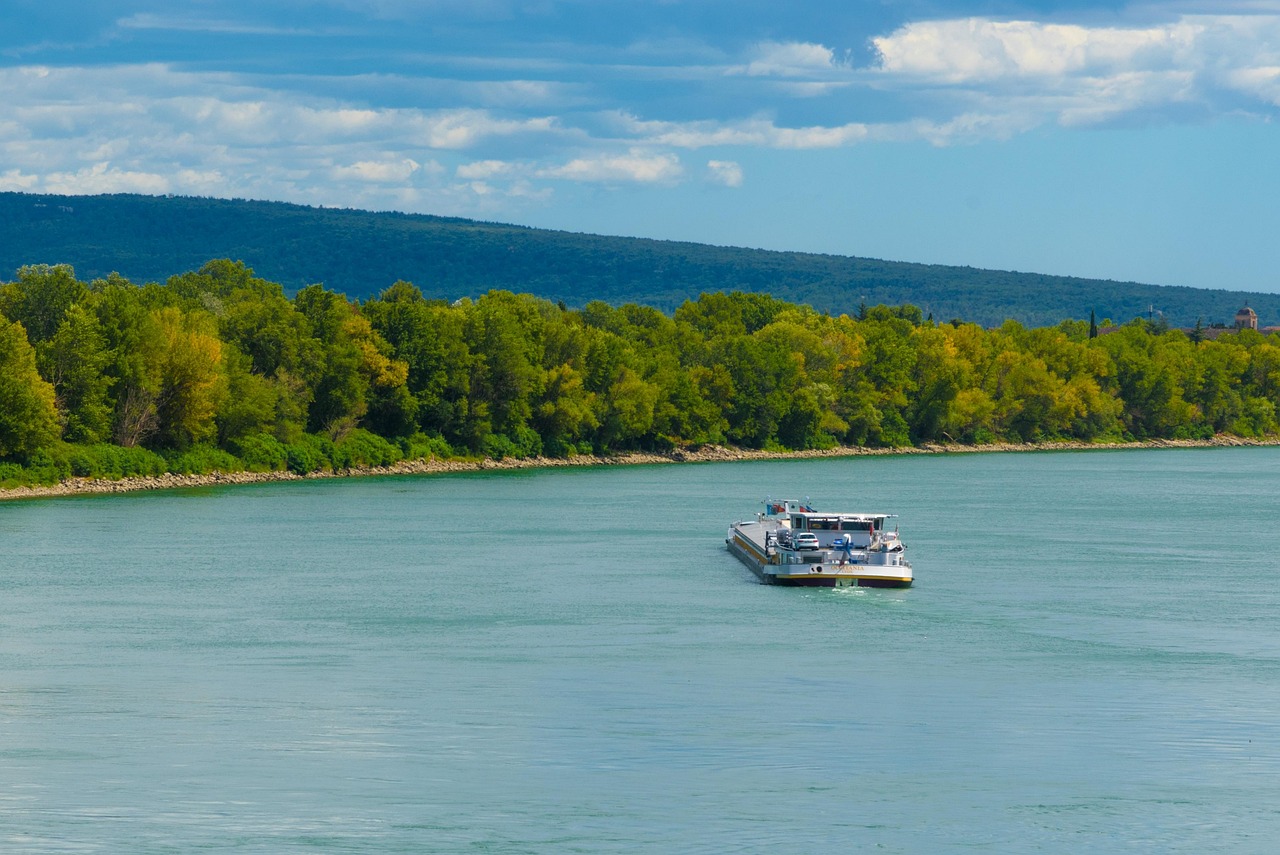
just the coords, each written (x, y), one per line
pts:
(552, 661)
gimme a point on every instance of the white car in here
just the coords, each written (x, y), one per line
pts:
(807, 540)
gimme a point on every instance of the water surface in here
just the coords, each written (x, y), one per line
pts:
(569, 661)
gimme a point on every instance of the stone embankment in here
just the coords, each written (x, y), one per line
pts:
(705, 454)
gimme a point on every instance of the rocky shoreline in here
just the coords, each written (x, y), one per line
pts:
(706, 454)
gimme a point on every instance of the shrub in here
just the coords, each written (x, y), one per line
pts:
(262, 452)
(103, 460)
(12, 475)
(362, 448)
(558, 447)
(423, 447)
(45, 466)
(1193, 431)
(311, 453)
(524, 441)
(498, 446)
(528, 441)
(140, 462)
(203, 459)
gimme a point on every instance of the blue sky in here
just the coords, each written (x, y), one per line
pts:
(1104, 139)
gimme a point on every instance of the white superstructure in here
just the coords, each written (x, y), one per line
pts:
(790, 543)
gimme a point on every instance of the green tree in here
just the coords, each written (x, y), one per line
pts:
(764, 377)
(627, 411)
(873, 395)
(136, 346)
(28, 414)
(428, 337)
(1151, 375)
(565, 415)
(217, 280)
(75, 360)
(252, 403)
(40, 297)
(504, 334)
(340, 388)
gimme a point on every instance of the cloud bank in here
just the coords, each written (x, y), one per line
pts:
(473, 134)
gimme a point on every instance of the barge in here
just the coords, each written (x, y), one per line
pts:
(789, 543)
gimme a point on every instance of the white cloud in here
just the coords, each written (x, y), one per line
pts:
(16, 181)
(810, 88)
(1262, 83)
(203, 182)
(977, 49)
(970, 127)
(104, 178)
(790, 59)
(636, 166)
(483, 169)
(725, 172)
(1032, 72)
(523, 189)
(751, 132)
(150, 21)
(457, 129)
(465, 133)
(379, 171)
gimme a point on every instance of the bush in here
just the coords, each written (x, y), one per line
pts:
(310, 453)
(524, 442)
(558, 447)
(113, 462)
(498, 446)
(423, 447)
(46, 467)
(362, 448)
(140, 462)
(893, 430)
(528, 441)
(83, 463)
(262, 452)
(12, 475)
(203, 459)
(1193, 431)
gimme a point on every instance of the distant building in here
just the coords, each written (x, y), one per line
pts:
(1246, 319)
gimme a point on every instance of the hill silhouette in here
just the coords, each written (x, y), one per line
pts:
(360, 253)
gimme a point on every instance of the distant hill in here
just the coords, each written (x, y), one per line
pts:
(359, 253)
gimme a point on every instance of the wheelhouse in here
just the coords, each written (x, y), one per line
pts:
(855, 529)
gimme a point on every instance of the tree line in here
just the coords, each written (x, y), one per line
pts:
(218, 369)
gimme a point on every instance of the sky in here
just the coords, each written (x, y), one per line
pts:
(1116, 140)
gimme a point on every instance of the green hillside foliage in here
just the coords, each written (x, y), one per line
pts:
(218, 369)
(360, 253)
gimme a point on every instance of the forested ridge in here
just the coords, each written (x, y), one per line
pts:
(359, 253)
(217, 369)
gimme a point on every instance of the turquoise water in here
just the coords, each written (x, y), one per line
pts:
(569, 661)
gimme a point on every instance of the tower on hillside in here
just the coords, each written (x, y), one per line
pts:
(1246, 319)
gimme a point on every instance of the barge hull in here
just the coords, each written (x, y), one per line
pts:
(755, 556)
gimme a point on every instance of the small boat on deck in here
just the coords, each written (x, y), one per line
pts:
(789, 543)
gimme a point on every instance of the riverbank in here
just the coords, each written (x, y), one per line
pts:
(706, 454)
